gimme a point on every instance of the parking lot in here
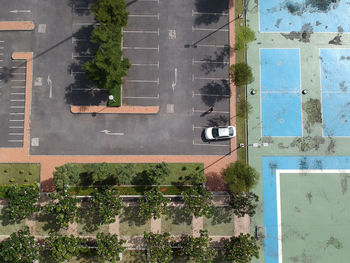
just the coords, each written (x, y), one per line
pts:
(180, 62)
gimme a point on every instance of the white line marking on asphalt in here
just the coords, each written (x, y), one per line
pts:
(141, 31)
(210, 62)
(147, 64)
(210, 95)
(112, 133)
(155, 98)
(18, 80)
(1, 47)
(18, 67)
(201, 111)
(142, 48)
(141, 15)
(77, 72)
(16, 127)
(20, 11)
(16, 113)
(14, 134)
(17, 107)
(2, 41)
(213, 46)
(49, 83)
(18, 73)
(194, 78)
(198, 127)
(1, 54)
(140, 80)
(214, 14)
(16, 120)
(208, 29)
(17, 94)
(204, 144)
(81, 56)
(18, 87)
(14, 140)
(175, 80)
(79, 39)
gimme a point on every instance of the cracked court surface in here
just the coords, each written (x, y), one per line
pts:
(304, 168)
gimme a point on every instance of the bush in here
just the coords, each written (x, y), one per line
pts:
(245, 36)
(240, 177)
(241, 74)
(243, 108)
(65, 175)
(21, 171)
(12, 180)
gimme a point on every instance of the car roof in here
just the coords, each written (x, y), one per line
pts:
(223, 131)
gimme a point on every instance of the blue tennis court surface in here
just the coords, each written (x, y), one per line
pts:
(280, 92)
(304, 15)
(335, 81)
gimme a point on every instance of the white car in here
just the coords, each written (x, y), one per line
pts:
(218, 133)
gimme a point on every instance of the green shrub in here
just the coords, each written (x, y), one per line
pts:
(30, 172)
(12, 180)
(6, 170)
(184, 168)
(21, 171)
(245, 36)
(241, 74)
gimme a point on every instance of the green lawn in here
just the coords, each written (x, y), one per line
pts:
(131, 224)
(221, 224)
(19, 173)
(6, 228)
(176, 221)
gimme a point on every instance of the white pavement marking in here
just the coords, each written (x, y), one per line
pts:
(201, 111)
(18, 87)
(17, 93)
(17, 100)
(155, 98)
(15, 140)
(17, 113)
(112, 133)
(198, 127)
(89, 89)
(175, 80)
(86, 23)
(172, 34)
(141, 81)
(74, 39)
(49, 83)
(17, 107)
(147, 64)
(18, 80)
(142, 48)
(16, 127)
(16, 120)
(142, 15)
(14, 134)
(141, 32)
(20, 11)
(81, 56)
(18, 73)
(214, 14)
(213, 46)
(210, 62)
(194, 78)
(210, 95)
(1, 54)
(208, 29)
(204, 144)
(77, 72)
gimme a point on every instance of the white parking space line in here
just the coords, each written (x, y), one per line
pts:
(17, 107)
(1, 47)
(201, 111)
(77, 72)
(89, 89)
(143, 48)
(74, 39)
(198, 127)
(15, 140)
(17, 100)
(81, 56)
(213, 46)
(205, 144)
(201, 78)
(209, 62)
(17, 94)
(18, 67)
(142, 15)
(214, 14)
(208, 29)
(15, 134)
(16, 120)
(1, 54)
(18, 87)
(18, 73)
(143, 81)
(209, 95)
(16, 127)
(147, 64)
(141, 31)
(17, 80)
(16, 113)
(155, 98)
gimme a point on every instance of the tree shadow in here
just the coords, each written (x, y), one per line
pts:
(178, 215)
(222, 215)
(50, 222)
(220, 59)
(217, 121)
(88, 218)
(215, 91)
(82, 91)
(211, 11)
(81, 10)
(7, 73)
(215, 182)
(132, 216)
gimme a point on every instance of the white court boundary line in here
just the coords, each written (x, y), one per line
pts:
(278, 197)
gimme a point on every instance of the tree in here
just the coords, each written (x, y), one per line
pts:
(20, 247)
(124, 174)
(241, 74)
(65, 176)
(109, 247)
(198, 201)
(158, 247)
(22, 201)
(154, 204)
(243, 107)
(196, 178)
(244, 203)
(106, 205)
(241, 249)
(158, 172)
(199, 248)
(99, 172)
(63, 208)
(245, 36)
(240, 177)
(111, 12)
(64, 248)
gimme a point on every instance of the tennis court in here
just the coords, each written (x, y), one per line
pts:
(306, 206)
(280, 88)
(304, 15)
(335, 81)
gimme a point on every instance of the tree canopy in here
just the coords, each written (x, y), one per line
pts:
(241, 74)
(198, 249)
(245, 36)
(240, 177)
(22, 201)
(65, 175)
(106, 205)
(158, 247)
(111, 12)
(243, 203)
(63, 208)
(154, 204)
(109, 247)
(198, 201)
(242, 249)
(20, 247)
